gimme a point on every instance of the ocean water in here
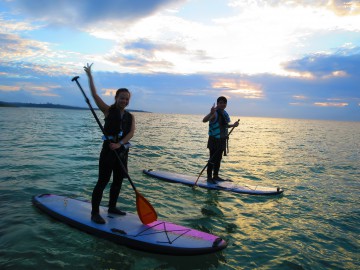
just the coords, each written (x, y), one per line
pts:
(313, 225)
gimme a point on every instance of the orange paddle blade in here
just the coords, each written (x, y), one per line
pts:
(145, 210)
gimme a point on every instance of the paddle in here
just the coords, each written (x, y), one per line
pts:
(211, 158)
(144, 209)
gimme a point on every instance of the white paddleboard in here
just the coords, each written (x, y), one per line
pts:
(228, 185)
(157, 237)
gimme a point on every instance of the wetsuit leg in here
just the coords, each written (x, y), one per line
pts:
(217, 163)
(210, 167)
(218, 153)
(105, 169)
(118, 177)
(115, 188)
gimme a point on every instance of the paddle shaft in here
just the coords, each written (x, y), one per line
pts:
(216, 152)
(103, 131)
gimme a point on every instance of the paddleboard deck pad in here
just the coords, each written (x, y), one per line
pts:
(228, 185)
(157, 237)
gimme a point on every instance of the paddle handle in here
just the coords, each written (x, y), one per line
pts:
(233, 127)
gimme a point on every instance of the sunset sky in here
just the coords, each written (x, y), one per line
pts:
(293, 59)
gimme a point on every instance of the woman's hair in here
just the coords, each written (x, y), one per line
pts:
(121, 90)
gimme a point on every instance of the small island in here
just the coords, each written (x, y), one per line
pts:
(49, 105)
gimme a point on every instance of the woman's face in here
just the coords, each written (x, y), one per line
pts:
(122, 99)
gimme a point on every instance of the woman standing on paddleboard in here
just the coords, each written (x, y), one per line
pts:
(219, 121)
(120, 128)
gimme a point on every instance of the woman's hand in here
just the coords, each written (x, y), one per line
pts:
(87, 69)
(114, 146)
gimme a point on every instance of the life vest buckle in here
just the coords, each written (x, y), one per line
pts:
(115, 138)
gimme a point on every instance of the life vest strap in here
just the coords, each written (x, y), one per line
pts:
(110, 137)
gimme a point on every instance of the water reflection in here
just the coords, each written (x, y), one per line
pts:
(56, 151)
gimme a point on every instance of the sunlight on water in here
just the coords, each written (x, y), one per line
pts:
(314, 225)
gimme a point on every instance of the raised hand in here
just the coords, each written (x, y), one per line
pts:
(213, 109)
(87, 69)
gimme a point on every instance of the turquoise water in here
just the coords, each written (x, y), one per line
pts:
(314, 225)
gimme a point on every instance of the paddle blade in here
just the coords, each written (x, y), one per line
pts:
(145, 210)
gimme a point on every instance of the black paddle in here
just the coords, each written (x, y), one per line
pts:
(145, 210)
(211, 158)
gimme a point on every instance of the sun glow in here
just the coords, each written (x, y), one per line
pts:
(239, 88)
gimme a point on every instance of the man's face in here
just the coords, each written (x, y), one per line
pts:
(221, 105)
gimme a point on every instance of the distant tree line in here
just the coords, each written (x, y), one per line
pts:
(46, 105)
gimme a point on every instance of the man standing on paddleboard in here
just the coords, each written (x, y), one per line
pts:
(119, 128)
(219, 121)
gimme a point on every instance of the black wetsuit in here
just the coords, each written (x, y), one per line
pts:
(108, 162)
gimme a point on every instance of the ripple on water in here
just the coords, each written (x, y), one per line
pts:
(313, 225)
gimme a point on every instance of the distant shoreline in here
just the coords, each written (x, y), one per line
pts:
(48, 105)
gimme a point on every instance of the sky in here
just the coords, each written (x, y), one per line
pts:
(288, 59)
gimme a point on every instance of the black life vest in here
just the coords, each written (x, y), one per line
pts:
(115, 125)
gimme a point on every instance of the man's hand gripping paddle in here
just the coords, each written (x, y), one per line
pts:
(144, 209)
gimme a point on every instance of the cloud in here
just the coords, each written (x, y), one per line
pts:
(339, 7)
(237, 87)
(9, 88)
(143, 54)
(344, 8)
(252, 41)
(173, 63)
(109, 92)
(154, 56)
(13, 47)
(342, 63)
(41, 89)
(12, 26)
(299, 97)
(331, 104)
(32, 57)
(31, 70)
(276, 96)
(87, 12)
